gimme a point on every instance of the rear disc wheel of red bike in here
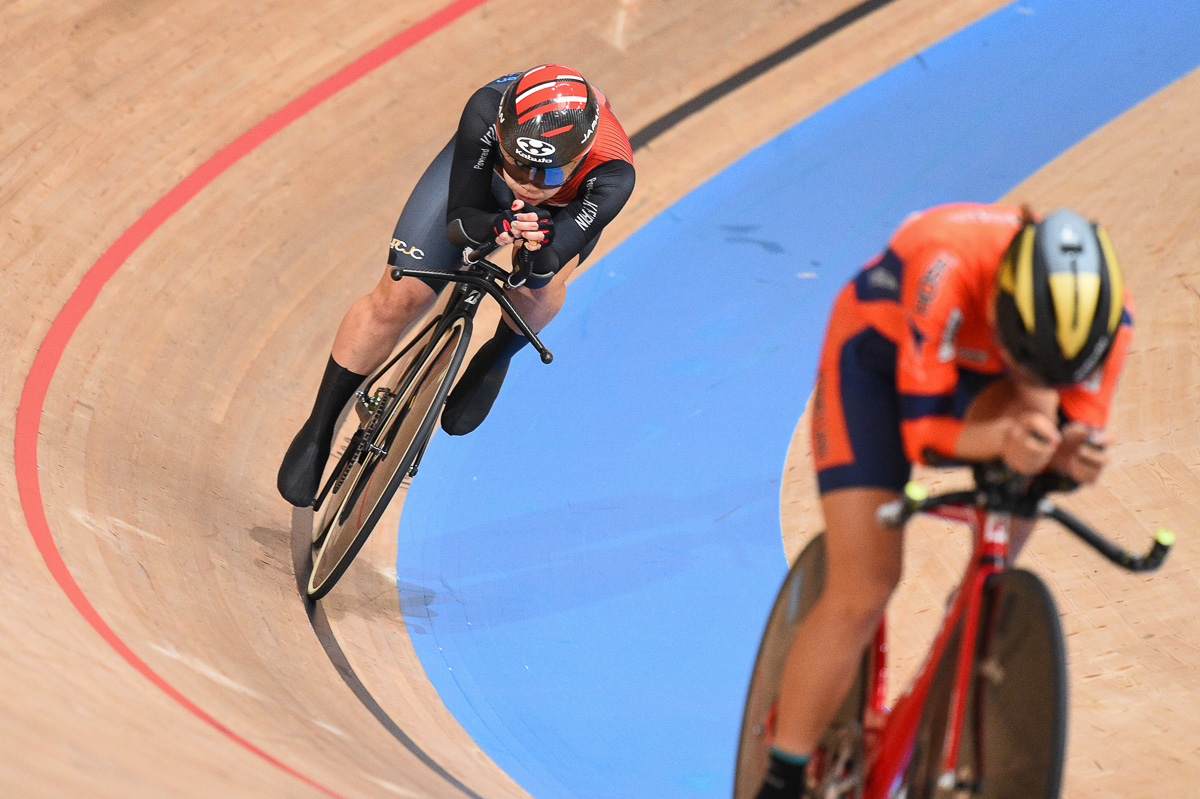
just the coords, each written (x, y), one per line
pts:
(799, 593)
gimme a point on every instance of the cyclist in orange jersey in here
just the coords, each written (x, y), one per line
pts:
(538, 159)
(980, 333)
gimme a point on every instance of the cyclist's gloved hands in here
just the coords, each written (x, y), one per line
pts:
(531, 269)
(1029, 442)
(545, 225)
(531, 223)
(522, 268)
(1082, 453)
(502, 226)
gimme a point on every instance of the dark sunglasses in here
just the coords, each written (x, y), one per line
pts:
(550, 178)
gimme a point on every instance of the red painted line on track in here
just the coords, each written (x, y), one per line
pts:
(49, 355)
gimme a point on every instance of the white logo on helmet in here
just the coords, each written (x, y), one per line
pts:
(535, 150)
(591, 129)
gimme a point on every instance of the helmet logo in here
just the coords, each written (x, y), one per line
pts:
(591, 129)
(535, 150)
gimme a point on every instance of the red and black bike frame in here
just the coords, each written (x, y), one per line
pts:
(890, 734)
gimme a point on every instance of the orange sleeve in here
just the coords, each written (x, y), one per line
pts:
(934, 300)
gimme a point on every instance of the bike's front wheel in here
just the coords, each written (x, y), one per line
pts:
(352, 511)
(840, 749)
(1014, 727)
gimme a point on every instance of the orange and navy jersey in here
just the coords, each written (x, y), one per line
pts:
(927, 295)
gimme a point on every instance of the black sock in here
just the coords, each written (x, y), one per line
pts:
(506, 341)
(785, 776)
(337, 387)
(300, 473)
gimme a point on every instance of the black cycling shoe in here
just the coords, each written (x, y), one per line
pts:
(477, 389)
(473, 396)
(784, 778)
(300, 473)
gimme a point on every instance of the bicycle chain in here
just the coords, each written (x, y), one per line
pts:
(364, 436)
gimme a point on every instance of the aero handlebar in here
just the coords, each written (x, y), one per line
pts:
(916, 500)
(484, 275)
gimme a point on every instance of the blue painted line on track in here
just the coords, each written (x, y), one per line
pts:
(586, 576)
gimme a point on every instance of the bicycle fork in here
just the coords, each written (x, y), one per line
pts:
(470, 305)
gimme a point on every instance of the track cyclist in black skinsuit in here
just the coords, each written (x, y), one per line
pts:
(538, 159)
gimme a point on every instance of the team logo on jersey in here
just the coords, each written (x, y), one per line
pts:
(535, 150)
(404, 249)
(927, 288)
(947, 350)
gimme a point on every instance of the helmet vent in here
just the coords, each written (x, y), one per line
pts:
(1069, 241)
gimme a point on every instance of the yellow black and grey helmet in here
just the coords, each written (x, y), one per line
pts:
(1058, 298)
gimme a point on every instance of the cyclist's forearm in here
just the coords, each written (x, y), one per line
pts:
(981, 440)
(473, 224)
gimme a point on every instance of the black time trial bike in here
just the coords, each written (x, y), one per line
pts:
(398, 409)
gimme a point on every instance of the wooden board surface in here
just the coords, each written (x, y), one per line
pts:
(175, 397)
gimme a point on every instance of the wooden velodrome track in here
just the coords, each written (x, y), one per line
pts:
(154, 643)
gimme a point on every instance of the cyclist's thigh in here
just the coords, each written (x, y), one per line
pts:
(858, 451)
(856, 412)
(863, 559)
(419, 240)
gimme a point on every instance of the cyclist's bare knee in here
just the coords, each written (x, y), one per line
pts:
(540, 305)
(859, 609)
(864, 561)
(396, 303)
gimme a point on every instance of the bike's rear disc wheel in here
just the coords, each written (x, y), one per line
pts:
(352, 513)
(1015, 725)
(799, 593)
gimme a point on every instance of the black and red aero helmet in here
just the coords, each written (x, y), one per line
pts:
(548, 118)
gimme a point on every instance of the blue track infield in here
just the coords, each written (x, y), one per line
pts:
(586, 576)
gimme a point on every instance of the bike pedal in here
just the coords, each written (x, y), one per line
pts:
(362, 407)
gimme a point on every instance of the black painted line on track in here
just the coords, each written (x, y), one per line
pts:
(302, 523)
(739, 79)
